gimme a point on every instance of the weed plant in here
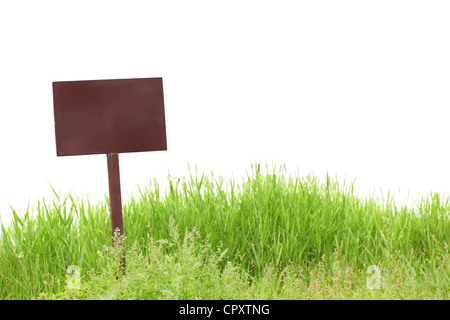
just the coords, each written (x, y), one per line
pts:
(274, 236)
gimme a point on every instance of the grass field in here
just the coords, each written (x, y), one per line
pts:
(272, 236)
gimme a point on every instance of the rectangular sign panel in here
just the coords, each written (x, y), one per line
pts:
(109, 116)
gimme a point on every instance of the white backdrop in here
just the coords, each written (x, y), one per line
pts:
(356, 88)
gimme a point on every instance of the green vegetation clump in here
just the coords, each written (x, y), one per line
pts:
(275, 236)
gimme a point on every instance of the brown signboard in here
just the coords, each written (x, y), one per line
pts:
(109, 116)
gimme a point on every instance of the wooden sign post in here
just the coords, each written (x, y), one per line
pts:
(109, 117)
(115, 198)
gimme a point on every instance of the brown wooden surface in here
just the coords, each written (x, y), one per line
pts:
(109, 116)
(115, 198)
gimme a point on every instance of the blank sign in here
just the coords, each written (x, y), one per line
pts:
(109, 116)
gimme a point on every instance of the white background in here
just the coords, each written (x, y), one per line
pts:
(358, 88)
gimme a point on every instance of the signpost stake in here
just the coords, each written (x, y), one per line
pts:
(115, 199)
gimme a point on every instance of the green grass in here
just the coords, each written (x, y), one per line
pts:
(272, 236)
